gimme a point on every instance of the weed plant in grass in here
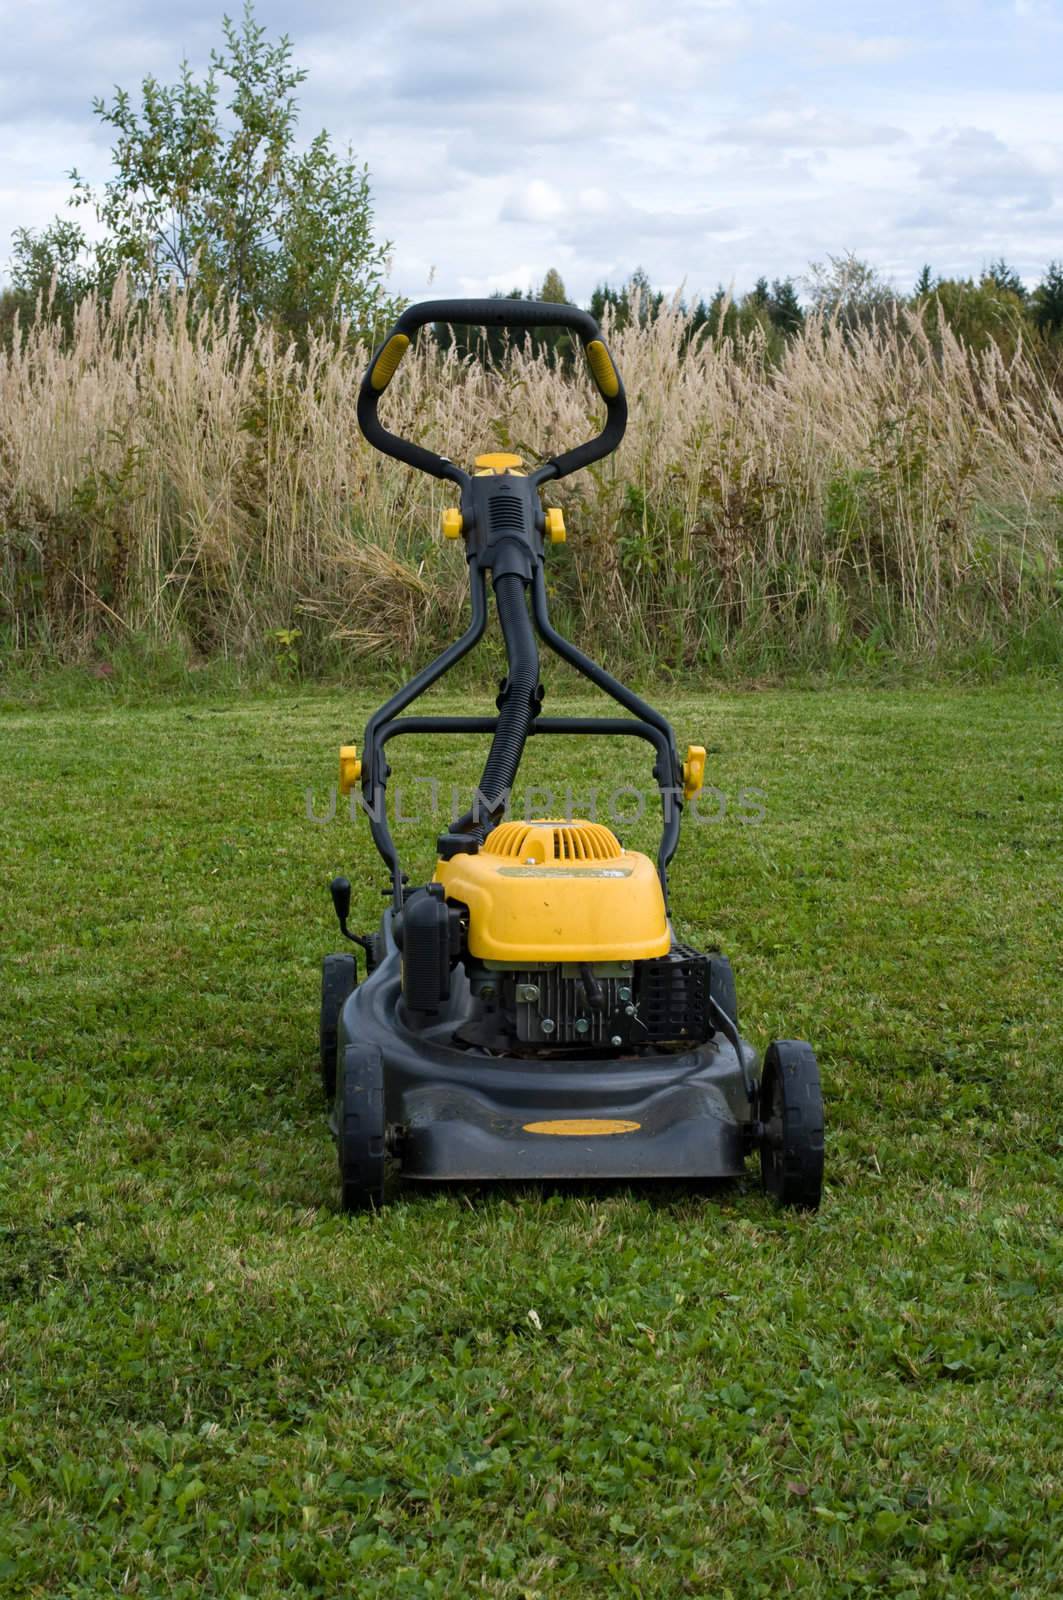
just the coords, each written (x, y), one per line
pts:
(213, 1384)
(875, 493)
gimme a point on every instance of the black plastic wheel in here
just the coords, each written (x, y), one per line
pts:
(339, 975)
(360, 1128)
(791, 1110)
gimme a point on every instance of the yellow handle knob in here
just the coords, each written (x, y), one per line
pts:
(499, 461)
(350, 767)
(555, 525)
(452, 523)
(693, 771)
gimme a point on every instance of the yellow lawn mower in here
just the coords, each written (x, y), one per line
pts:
(528, 1014)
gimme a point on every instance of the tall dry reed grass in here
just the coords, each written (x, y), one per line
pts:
(883, 491)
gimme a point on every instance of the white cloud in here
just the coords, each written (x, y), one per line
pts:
(854, 50)
(976, 165)
(703, 141)
(807, 126)
(537, 201)
(521, 277)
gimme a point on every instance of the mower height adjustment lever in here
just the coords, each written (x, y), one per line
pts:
(340, 890)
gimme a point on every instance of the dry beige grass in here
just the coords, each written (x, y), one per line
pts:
(889, 487)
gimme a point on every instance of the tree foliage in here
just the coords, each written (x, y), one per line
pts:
(977, 313)
(924, 284)
(211, 191)
(52, 266)
(491, 344)
(1004, 278)
(784, 308)
(635, 301)
(552, 289)
(846, 290)
(1047, 300)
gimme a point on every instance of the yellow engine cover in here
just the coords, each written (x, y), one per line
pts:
(558, 891)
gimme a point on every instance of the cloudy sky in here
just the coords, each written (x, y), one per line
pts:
(708, 141)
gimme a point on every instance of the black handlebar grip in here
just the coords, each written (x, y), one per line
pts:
(495, 313)
(499, 313)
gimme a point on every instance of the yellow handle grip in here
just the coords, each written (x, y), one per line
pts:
(387, 362)
(605, 374)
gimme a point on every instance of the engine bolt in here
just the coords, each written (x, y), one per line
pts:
(582, 1025)
(616, 1039)
(629, 1011)
(527, 991)
(624, 992)
(548, 1024)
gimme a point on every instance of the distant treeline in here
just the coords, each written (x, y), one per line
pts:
(994, 308)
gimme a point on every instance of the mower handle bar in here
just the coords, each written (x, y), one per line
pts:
(493, 314)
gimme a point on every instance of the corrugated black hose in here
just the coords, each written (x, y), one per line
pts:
(516, 710)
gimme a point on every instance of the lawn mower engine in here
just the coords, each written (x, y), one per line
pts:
(595, 1005)
(497, 910)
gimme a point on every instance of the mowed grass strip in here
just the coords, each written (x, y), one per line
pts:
(213, 1384)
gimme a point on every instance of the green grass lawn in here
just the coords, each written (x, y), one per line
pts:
(211, 1383)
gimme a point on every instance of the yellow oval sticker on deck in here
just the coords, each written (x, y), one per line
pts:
(577, 1127)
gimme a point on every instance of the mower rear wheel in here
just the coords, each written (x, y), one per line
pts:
(360, 1128)
(791, 1111)
(339, 975)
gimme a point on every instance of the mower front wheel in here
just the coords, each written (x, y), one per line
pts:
(360, 1128)
(791, 1114)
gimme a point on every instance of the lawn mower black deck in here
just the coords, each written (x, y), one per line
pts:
(458, 1113)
